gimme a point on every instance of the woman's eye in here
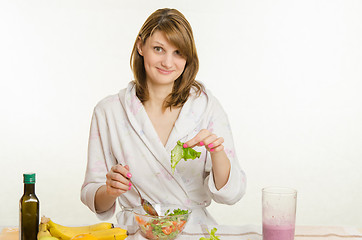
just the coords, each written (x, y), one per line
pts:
(158, 49)
(177, 52)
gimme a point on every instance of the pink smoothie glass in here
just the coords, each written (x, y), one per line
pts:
(279, 210)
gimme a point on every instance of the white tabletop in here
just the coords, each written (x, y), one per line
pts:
(254, 232)
(244, 232)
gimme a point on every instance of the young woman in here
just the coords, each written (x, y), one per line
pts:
(133, 132)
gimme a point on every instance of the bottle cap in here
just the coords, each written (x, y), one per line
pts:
(29, 178)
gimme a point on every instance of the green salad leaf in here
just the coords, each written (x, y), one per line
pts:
(179, 152)
(212, 235)
(176, 212)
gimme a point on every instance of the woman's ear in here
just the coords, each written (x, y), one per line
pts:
(139, 46)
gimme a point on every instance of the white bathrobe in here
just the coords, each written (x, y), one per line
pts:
(122, 133)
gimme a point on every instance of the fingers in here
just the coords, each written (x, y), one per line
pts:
(198, 140)
(205, 138)
(114, 191)
(216, 146)
(118, 180)
(123, 170)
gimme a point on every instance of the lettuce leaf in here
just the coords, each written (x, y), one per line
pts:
(179, 152)
(212, 235)
(176, 212)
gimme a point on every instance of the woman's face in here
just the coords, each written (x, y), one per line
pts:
(163, 61)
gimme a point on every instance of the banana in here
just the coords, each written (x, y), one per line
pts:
(43, 231)
(82, 229)
(110, 234)
(66, 233)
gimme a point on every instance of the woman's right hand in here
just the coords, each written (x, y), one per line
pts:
(118, 180)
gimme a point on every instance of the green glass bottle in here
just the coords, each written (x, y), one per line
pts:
(29, 210)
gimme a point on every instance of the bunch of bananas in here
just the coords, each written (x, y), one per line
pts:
(49, 230)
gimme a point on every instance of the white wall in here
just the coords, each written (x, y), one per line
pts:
(287, 72)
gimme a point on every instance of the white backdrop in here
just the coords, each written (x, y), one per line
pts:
(288, 73)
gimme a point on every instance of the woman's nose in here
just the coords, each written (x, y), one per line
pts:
(167, 60)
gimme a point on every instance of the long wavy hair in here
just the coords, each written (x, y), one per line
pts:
(179, 33)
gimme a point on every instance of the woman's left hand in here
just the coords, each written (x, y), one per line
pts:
(206, 138)
(220, 163)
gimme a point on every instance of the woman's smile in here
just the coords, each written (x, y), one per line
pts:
(163, 71)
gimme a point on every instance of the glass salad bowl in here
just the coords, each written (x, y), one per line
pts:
(167, 226)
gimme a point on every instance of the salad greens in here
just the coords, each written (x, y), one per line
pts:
(176, 212)
(212, 235)
(164, 228)
(179, 152)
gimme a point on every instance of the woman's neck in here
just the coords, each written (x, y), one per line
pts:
(157, 95)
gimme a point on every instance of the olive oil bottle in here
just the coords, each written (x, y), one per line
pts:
(29, 210)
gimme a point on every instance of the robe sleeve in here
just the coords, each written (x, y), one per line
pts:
(98, 156)
(235, 187)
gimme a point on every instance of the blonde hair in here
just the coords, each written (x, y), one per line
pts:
(179, 33)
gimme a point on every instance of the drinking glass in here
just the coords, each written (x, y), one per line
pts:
(279, 212)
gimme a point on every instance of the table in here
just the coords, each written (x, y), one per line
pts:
(244, 232)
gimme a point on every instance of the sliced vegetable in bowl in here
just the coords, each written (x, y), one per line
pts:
(167, 226)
